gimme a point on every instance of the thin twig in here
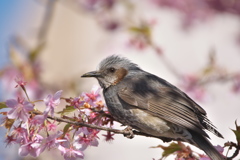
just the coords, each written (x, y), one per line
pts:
(219, 78)
(236, 146)
(166, 61)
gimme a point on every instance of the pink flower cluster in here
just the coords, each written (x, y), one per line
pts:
(36, 132)
(200, 9)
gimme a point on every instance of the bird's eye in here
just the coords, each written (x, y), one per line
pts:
(112, 70)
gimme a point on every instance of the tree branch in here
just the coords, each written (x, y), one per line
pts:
(47, 17)
(126, 133)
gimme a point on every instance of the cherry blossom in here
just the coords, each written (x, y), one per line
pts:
(92, 97)
(19, 109)
(10, 140)
(51, 126)
(88, 138)
(20, 134)
(20, 82)
(52, 141)
(51, 101)
(108, 136)
(77, 102)
(70, 153)
(38, 119)
(32, 147)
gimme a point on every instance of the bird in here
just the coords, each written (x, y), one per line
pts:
(151, 105)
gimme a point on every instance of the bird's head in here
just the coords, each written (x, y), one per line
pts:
(112, 70)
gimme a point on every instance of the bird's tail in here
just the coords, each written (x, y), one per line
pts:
(203, 143)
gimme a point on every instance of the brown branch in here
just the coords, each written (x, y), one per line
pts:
(47, 17)
(164, 59)
(125, 132)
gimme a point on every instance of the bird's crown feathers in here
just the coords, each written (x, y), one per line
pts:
(119, 62)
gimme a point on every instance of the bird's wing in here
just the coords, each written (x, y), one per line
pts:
(167, 102)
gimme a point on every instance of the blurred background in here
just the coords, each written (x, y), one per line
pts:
(194, 44)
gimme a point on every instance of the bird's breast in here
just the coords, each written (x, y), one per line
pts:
(150, 124)
(115, 107)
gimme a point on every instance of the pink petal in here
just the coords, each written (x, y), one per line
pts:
(23, 150)
(47, 100)
(11, 103)
(39, 119)
(219, 148)
(28, 106)
(83, 146)
(47, 110)
(57, 95)
(73, 154)
(79, 153)
(35, 152)
(23, 116)
(52, 112)
(62, 149)
(12, 114)
(94, 142)
(84, 130)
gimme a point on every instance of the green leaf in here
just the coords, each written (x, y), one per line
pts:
(66, 128)
(67, 110)
(237, 132)
(2, 105)
(173, 147)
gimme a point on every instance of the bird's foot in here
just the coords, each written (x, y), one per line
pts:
(128, 132)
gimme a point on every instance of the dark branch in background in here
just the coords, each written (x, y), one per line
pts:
(20, 43)
(46, 21)
(166, 61)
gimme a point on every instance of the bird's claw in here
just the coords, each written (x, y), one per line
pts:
(128, 132)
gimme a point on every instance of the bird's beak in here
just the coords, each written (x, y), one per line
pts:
(92, 74)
